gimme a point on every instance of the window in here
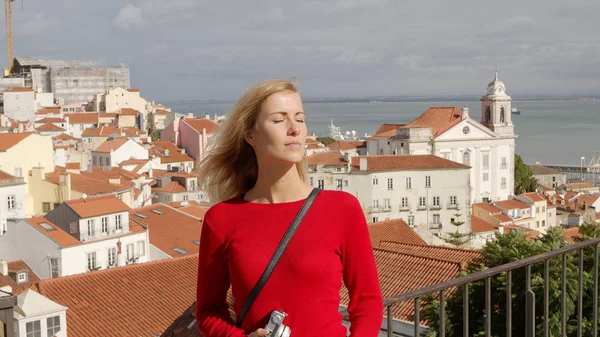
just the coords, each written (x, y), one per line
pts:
(46, 207)
(338, 169)
(488, 115)
(375, 219)
(53, 267)
(503, 164)
(112, 257)
(118, 224)
(466, 158)
(453, 200)
(486, 177)
(486, 161)
(321, 183)
(22, 277)
(168, 167)
(346, 183)
(503, 183)
(390, 183)
(33, 329)
(185, 197)
(141, 248)
(339, 184)
(101, 161)
(543, 223)
(130, 252)
(502, 115)
(105, 225)
(411, 220)
(95, 160)
(11, 202)
(404, 202)
(120, 197)
(91, 261)
(436, 219)
(422, 201)
(386, 203)
(427, 181)
(537, 224)
(436, 201)
(18, 172)
(543, 208)
(408, 183)
(375, 181)
(537, 209)
(375, 203)
(81, 127)
(53, 325)
(90, 227)
(380, 151)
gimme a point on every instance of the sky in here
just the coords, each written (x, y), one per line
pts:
(197, 49)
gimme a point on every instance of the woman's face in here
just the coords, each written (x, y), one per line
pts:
(280, 131)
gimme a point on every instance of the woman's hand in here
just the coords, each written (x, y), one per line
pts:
(259, 333)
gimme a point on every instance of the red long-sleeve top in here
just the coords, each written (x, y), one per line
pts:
(330, 246)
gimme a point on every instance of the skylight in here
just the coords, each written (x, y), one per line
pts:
(196, 242)
(158, 212)
(180, 251)
(141, 216)
(46, 226)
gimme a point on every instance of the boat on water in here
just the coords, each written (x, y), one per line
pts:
(515, 111)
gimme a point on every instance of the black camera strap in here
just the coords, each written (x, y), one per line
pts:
(277, 255)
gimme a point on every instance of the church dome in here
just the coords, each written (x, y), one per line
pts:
(496, 87)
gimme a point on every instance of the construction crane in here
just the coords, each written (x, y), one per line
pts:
(9, 39)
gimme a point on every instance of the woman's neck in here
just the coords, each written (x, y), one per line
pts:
(276, 184)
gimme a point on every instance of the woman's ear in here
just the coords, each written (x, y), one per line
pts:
(248, 138)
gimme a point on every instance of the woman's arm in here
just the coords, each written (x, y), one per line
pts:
(212, 310)
(360, 273)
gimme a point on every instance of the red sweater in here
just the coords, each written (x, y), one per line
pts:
(331, 245)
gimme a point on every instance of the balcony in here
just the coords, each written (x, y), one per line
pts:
(376, 209)
(404, 208)
(421, 207)
(386, 209)
(496, 318)
(451, 206)
(12, 181)
(435, 207)
(435, 226)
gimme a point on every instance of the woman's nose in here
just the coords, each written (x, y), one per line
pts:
(294, 129)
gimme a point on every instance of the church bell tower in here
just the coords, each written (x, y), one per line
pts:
(496, 109)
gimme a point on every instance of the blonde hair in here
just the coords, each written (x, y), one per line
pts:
(229, 167)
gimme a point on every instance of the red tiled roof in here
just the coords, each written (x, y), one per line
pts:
(111, 145)
(170, 230)
(57, 235)
(502, 218)
(531, 233)
(162, 112)
(135, 300)
(434, 252)
(64, 136)
(439, 119)
(14, 267)
(384, 130)
(8, 140)
(197, 211)
(48, 111)
(534, 196)
(345, 145)
(405, 162)
(83, 118)
(310, 140)
(395, 230)
(129, 112)
(329, 158)
(172, 187)
(73, 166)
(511, 204)
(175, 152)
(479, 225)
(86, 184)
(488, 207)
(133, 90)
(199, 123)
(571, 233)
(18, 89)
(6, 176)
(105, 131)
(581, 185)
(90, 207)
(50, 120)
(49, 127)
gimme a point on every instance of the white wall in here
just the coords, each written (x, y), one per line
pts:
(77, 129)
(129, 150)
(157, 254)
(44, 99)
(24, 242)
(20, 105)
(98, 226)
(18, 191)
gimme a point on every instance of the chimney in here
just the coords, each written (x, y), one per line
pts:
(115, 180)
(120, 255)
(554, 200)
(465, 113)
(3, 267)
(20, 127)
(363, 164)
(150, 175)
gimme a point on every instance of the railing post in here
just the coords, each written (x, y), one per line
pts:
(442, 332)
(390, 321)
(509, 303)
(580, 296)
(417, 318)
(546, 295)
(563, 297)
(488, 307)
(595, 322)
(530, 314)
(466, 310)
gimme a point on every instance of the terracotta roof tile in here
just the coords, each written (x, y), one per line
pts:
(49, 127)
(90, 207)
(83, 118)
(172, 187)
(73, 166)
(585, 184)
(58, 235)
(129, 112)
(175, 152)
(511, 204)
(439, 119)
(199, 123)
(405, 162)
(18, 89)
(13, 268)
(571, 233)
(50, 120)
(162, 112)
(105, 131)
(170, 230)
(8, 140)
(197, 211)
(345, 145)
(488, 207)
(534, 196)
(384, 130)
(64, 136)
(433, 252)
(502, 218)
(395, 230)
(328, 158)
(136, 300)
(111, 145)
(87, 184)
(479, 225)
(531, 233)
(6, 176)
(48, 111)
(133, 90)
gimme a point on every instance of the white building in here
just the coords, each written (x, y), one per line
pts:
(170, 157)
(114, 151)
(76, 237)
(77, 122)
(12, 199)
(19, 104)
(177, 186)
(488, 146)
(36, 315)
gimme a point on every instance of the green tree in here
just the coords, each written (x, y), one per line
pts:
(456, 238)
(524, 180)
(153, 133)
(511, 247)
(325, 140)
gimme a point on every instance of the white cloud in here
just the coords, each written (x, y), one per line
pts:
(130, 18)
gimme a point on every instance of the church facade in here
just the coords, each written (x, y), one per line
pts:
(487, 145)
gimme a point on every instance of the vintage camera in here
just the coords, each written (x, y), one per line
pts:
(275, 325)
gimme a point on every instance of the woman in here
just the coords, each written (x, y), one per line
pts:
(256, 171)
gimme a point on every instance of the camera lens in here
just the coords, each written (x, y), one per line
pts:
(277, 319)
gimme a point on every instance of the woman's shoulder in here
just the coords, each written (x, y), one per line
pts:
(341, 198)
(223, 208)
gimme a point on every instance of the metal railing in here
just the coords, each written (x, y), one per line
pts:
(404, 208)
(486, 275)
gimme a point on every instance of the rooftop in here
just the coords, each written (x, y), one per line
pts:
(111, 145)
(540, 170)
(478, 225)
(406, 162)
(91, 207)
(388, 130)
(172, 187)
(105, 131)
(395, 230)
(329, 158)
(170, 228)
(85, 183)
(14, 267)
(8, 140)
(511, 204)
(175, 153)
(129, 111)
(439, 119)
(50, 120)
(83, 118)
(343, 145)
(199, 123)
(53, 232)
(49, 127)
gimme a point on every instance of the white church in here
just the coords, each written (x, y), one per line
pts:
(488, 145)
